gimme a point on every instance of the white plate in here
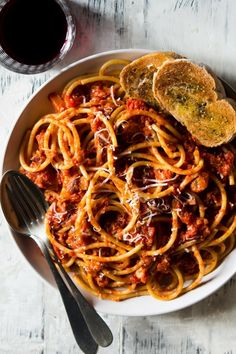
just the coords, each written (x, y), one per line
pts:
(36, 107)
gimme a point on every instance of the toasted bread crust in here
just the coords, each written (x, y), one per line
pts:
(137, 77)
(191, 95)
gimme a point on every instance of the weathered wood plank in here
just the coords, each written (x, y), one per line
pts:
(207, 327)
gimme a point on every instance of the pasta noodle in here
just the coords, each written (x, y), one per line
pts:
(137, 207)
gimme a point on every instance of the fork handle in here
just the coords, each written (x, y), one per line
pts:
(96, 325)
(78, 325)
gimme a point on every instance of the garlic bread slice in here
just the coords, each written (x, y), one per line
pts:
(137, 77)
(194, 97)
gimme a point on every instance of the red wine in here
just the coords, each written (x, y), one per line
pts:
(32, 31)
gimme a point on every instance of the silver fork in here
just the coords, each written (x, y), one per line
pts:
(29, 207)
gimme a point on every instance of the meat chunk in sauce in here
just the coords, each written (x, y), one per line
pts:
(221, 163)
(135, 104)
(200, 183)
(141, 235)
(43, 179)
(196, 230)
(194, 227)
(163, 264)
(163, 175)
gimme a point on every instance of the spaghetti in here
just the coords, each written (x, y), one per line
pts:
(137, 207)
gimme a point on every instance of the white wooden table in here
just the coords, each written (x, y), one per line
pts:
(32, 317)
